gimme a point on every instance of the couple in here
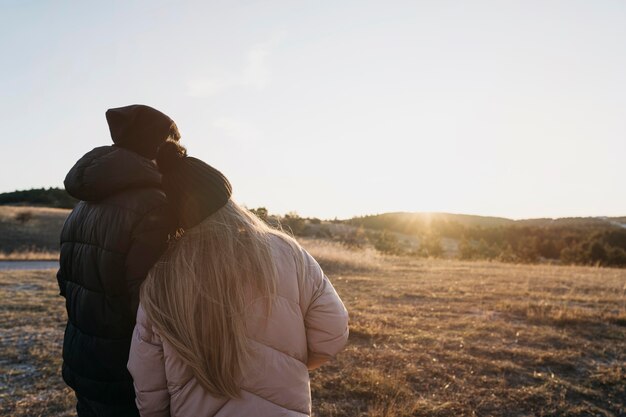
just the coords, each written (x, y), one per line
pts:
(224, 318)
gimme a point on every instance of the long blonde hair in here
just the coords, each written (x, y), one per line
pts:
(196, 295)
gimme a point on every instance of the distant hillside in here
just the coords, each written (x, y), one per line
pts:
(419, 223)
(578, 240)
(30, 228)
(41, 197)
(452, 225)
(576, 222)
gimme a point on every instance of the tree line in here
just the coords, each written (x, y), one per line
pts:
(585, 241)
(44, 197)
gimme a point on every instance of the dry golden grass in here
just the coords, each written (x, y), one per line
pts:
(340, 259)
(37, 235)
(9, 212)
(32, 320)
(29, 255)
(428, 338)
(451, 338)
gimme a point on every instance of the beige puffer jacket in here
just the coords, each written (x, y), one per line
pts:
(308, 318)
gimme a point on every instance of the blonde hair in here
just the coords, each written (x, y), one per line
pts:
(196, 295)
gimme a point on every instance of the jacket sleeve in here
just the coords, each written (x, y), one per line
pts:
(146, 364)
(149, 241)
(326, 318)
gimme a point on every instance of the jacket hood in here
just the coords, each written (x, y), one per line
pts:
(107, 170)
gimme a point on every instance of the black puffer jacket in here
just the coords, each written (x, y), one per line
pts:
(108, 244)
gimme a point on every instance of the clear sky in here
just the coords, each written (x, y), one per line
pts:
(336, 108)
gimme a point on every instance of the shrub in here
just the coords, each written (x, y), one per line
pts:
(354, 238)
(430, 246)
(293, 223)
(261, 213)
(24, 217)
(387, 243)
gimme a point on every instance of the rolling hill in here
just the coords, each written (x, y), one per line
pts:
(411, 223)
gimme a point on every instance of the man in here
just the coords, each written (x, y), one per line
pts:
(108, 244)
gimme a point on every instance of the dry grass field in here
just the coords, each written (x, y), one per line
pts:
(30, 233)
(428, 338)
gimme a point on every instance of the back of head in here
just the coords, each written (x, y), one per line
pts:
(198, 294)
(195, 188)
(140, 128)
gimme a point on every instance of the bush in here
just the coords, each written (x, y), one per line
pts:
(508, 255)
(24, 217)
(477, 250)
(430, 246)
(616, 257)
(261, 213)
(387, 243)
(354, 239)
(293, 223)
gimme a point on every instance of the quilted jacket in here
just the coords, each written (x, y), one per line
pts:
(308, 318)
(108, 243)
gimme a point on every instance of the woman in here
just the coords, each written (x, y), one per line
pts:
(234, 314)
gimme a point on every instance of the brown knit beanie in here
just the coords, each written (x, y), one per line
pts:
(193, 187)
(140, 128)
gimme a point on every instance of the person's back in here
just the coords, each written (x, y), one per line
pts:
(108, 243)
(307, 318)
(233, 315)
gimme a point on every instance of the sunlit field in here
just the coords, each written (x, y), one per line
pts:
(428, 338)
(30, 233)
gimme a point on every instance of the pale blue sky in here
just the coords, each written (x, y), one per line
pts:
(336, 108)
